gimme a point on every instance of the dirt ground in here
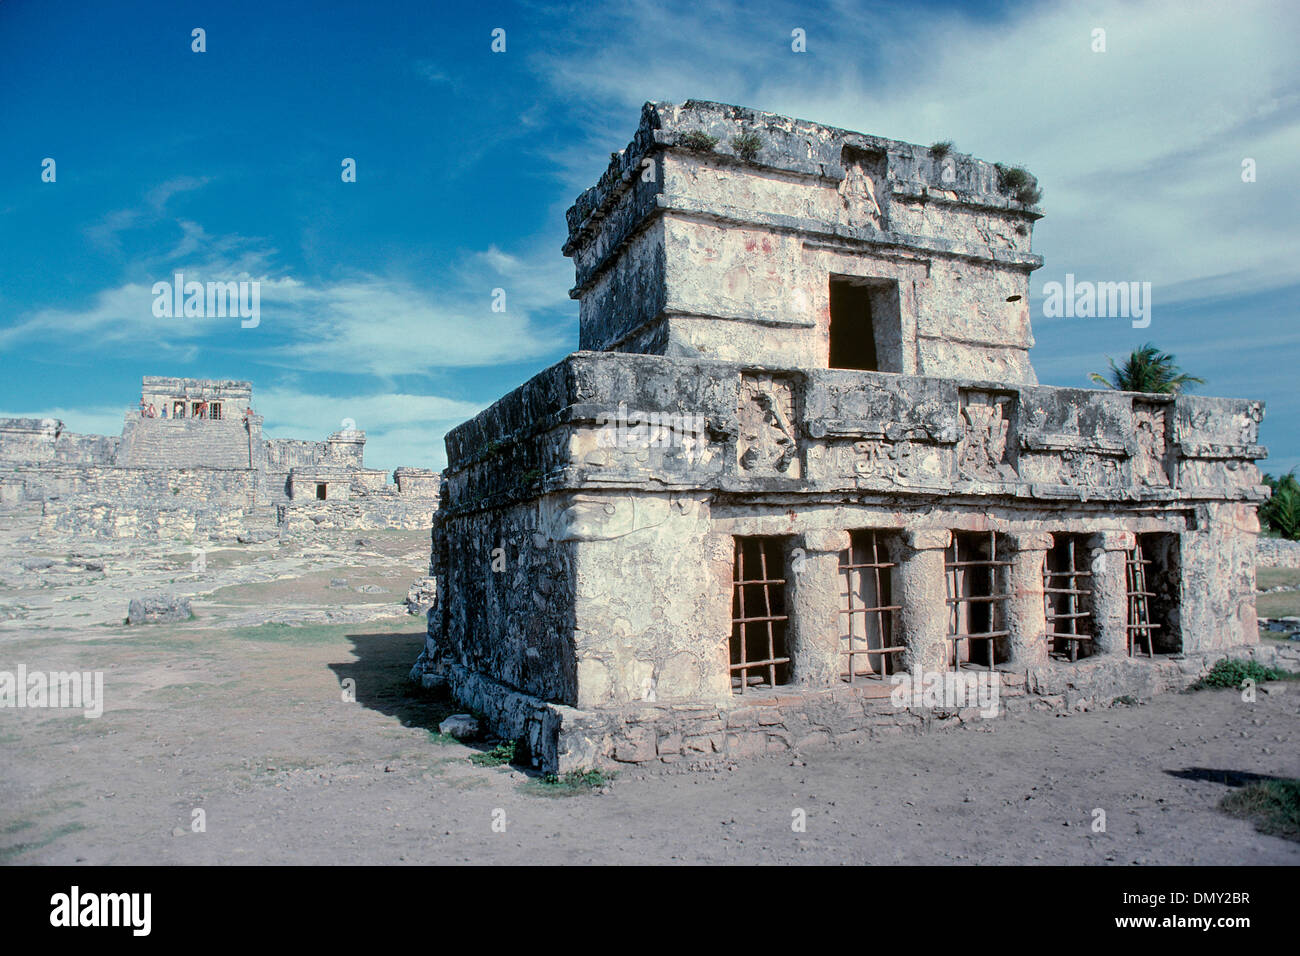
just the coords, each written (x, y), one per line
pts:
(247, 722)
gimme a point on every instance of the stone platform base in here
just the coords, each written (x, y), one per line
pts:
(561, 738)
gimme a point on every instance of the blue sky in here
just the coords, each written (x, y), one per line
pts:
(376, 295)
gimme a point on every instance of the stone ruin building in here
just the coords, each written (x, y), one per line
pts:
(802, 450)
(192, 461)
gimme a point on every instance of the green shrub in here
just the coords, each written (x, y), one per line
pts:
(941, 149)
(1231, 672)
(747, 146)
(1273, 806)
(503, 753)
(699, 141)
(1018, 183)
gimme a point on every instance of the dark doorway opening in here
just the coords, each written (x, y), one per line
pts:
(853, 334)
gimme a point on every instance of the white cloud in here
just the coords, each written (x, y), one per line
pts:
(369, 324)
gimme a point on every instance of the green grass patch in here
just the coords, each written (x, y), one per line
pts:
(1272, 805)
(569, 784)
(281, 633)
(503, 753)
(1274, 577)
(1281, 604)
(8, 853)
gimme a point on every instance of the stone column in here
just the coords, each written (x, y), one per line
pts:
(1026, 616)
(1109, 585)
(922, 594)
(812, 597)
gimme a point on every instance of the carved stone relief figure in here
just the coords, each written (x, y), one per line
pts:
(982, 450)
(1149, 453)
(767, 443)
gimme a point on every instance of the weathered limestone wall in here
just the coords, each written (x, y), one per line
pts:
(509, 575)
(26, 441)
(141, 502)
(650, 581)
(1217, 565)
(843, 430)
(144, 485)
(369, 513)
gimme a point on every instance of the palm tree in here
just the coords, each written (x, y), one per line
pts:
(1147, 370)
(1281, 513)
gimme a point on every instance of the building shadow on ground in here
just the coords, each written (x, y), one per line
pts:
(1231, 778)
(380, 678)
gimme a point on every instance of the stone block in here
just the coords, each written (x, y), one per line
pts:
(158, 609)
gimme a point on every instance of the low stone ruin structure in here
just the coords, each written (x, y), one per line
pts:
(803, 452)
(192, 461)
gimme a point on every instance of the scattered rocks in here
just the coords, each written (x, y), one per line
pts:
(36, 564)
(372, 589)
(422, 595)
(158, 609)
(338, 582)
(256, 537)
(460, 726)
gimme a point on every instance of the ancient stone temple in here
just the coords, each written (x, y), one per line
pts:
(192, 461)
(803, 452)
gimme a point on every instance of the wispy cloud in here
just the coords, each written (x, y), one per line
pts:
(401, 428)
(368, 324)
(1139, 148)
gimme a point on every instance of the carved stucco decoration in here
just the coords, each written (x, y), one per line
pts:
(1224, 476)
(1090, 470)
(1149, 446)
(892, 461)
(982, 452)
(766, 443)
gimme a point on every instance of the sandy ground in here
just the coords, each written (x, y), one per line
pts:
(249, 724)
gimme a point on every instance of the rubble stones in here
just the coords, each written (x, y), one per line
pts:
(460, 726)
(158, 609)
(422, 595)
